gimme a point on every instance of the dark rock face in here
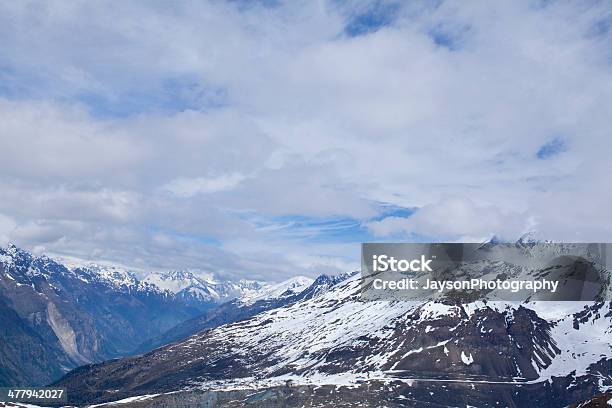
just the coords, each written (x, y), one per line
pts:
(54, 319)
(25, 356)
(505, 344)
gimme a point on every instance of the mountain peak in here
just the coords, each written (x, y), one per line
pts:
(15, 257)
(495, 239)
(178, 275)
(192, 286)
(291, 286)
(530, 237)
(113, 275)
(13, 250)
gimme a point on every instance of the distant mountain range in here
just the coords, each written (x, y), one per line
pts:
(325, 346)
(198, 291)
(54, 318)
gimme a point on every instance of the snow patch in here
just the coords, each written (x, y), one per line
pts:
(467, 360)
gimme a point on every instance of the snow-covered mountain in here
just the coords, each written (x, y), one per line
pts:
(55, 318)
(202, 291)
(270, 297)
(197, 289)
(74, 313)
(333, 347)
(290, 287)
(118, 278)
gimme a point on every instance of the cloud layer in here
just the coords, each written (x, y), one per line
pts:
(266, 139)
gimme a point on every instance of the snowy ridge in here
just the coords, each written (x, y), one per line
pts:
(284, 289)
(194, 288)
(188, 285)
(582, 338)
(27, 267)
(115, 277)
(304, 337)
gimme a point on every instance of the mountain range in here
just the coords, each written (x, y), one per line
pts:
(179, 338)
(329, 347)
(202, 292)
(55, 317)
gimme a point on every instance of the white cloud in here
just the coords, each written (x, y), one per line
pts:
(188, 187)
(275, 111)
(455, 218)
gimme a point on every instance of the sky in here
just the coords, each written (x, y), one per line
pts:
(267, 139)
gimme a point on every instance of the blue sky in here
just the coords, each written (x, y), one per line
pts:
(551, 149)
(268, 139)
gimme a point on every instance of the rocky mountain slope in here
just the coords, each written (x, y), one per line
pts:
(545, 353)
(54, 318)
(270, 297)
(25, 356)
(69, 314)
